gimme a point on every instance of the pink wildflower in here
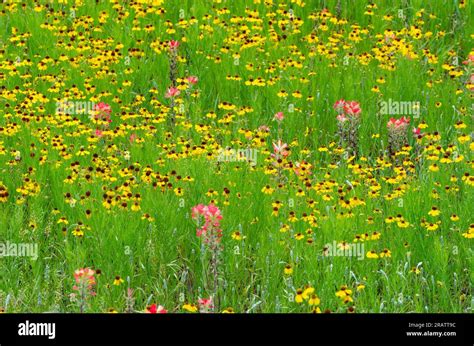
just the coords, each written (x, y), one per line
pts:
(173, 45)
(192, 79)
(103, 109)
(205, 304)
(401, 123)
(280, 148)
(172, 92)
(339, 105)
(154, 309)
(279, 116)
(212, 216)
(352, 108)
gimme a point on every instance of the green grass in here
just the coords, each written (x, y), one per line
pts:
(163, 259)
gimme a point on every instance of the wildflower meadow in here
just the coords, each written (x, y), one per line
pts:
(247, 156)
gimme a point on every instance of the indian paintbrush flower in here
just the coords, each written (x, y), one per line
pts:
(348, 120)
(208, 219)
(397, 134)
(85, 282)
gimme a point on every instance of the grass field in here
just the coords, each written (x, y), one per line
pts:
(117, 118)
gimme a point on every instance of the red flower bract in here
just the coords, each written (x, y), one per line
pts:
(172, 92)
(398, 123)
(173, 45)
(85, 275)
(212, 216)
(339, 105)
(103, 108)
(156, 309)
(279, 116)
(192, 79)
(351, 108)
